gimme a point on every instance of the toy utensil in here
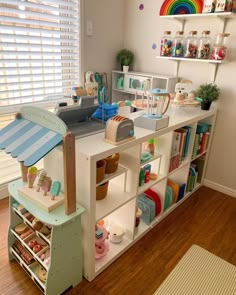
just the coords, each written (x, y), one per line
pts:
(55, 189)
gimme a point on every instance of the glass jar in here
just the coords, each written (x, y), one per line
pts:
(219, 49)
(204, 48)
(166, 44)
(191, 45)
(178, 45)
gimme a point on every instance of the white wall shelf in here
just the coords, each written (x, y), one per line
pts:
(182, 18)
(133, 83)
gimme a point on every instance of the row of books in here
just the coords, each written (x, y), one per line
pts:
(201, 139)
(180, 145)
(195, 173)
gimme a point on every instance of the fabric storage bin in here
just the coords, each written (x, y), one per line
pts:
(148, 208)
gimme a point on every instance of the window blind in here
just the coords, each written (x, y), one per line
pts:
(39, 50)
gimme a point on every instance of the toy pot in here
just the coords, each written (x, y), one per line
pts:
(101, 168)
(101, 191)
(205, 105)
(112, 163)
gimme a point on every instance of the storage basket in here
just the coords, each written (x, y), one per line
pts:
(101, 168)
(101, 191)
(112, 163)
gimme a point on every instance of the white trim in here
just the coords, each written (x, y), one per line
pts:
(3, 191)
(223, 189)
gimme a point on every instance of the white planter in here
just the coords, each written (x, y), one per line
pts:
(125, 69)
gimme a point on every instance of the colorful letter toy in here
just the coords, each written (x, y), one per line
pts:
(32, 173)
(55, 189)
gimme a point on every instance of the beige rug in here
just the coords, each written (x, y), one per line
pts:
(200, 273)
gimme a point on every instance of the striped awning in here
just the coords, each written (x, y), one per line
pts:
(29, 141)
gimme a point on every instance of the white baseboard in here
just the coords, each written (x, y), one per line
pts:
(218, 187)
(3, 191)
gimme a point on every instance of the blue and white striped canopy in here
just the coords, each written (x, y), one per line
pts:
(28, 141)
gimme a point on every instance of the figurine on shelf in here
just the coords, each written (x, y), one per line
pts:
(41, 177)
(101, 244)
(32, 173)
(47, 182)
(55, 189)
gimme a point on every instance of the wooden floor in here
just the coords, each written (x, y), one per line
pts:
(207, 218)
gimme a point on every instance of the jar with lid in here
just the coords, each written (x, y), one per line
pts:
(166, 44)
(219, 49)
(204, 48)
(191, 45)
(178, 45)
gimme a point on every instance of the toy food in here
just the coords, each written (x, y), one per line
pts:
(32, 243)
(23, 253)
(55, 189)
(26, 234)
(21, 228)
(41, 273)
(32, 173)
(47, 182)
(37, 248)
(42, 174)
(37, 224)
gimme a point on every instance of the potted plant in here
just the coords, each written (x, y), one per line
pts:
(206, 94)
(125, 58)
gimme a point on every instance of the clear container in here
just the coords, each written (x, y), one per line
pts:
(191, 45)
(204, 48)
(219, 49)
(166, 44)
(178, 45)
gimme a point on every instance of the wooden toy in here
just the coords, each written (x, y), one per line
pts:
(32, 173)
(45, 132)
(119, 129)
(47, 182)
(42, 174)
(55, 189)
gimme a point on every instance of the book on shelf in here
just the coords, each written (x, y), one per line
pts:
(192, 177)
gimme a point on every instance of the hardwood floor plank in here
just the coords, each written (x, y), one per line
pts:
(207, 218)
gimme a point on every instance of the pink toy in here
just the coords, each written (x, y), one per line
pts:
(42, 174)
(47, 182)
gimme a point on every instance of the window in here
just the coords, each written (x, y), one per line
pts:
(39, 58)
(39, 50)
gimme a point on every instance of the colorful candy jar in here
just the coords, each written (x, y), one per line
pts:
(178, 45)
(219, 49)
(166, 44)
(204, 48)
(191, 45)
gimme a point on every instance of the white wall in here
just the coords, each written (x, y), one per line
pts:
(142, 29)
(108, 30)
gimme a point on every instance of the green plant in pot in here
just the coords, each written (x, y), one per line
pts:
(207, 93)
(125, 57)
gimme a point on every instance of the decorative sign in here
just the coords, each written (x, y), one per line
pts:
(173, 7)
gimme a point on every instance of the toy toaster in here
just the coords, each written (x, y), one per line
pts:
(119, 129)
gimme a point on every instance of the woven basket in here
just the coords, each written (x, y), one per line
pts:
(112, 163)
(101, 191)
(101, 168)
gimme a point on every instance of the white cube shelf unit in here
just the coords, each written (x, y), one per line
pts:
(119, 206)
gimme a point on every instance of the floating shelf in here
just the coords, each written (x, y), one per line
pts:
(183, 17)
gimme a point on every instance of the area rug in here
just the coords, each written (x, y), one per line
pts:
(200, 272)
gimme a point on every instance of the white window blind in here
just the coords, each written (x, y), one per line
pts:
(39, 50)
